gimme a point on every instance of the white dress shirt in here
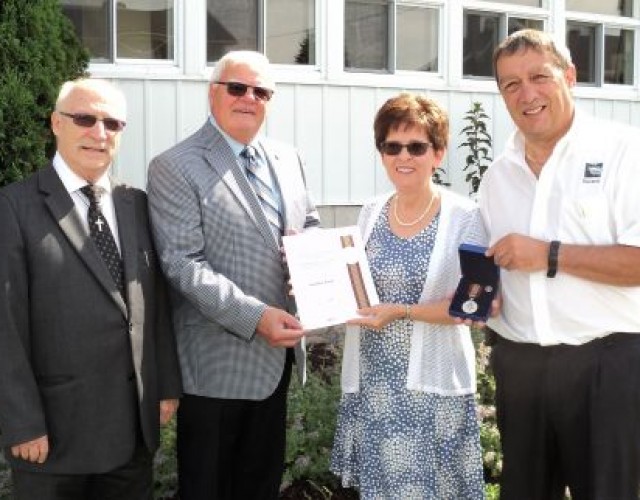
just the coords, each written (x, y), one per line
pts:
(586, 194)
(73, 183)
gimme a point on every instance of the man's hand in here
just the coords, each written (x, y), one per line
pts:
(36, 450)
(516, 252)
(279, 328)
(167, 408)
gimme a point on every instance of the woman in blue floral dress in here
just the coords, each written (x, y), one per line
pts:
(407, 426)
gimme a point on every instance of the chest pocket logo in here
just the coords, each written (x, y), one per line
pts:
(592, 172)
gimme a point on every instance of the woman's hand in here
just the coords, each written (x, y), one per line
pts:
(379, 316)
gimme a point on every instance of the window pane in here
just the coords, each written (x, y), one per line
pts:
(417, 39)
(145, 29)
(92, 26)
(231, 25)
(519, 23)
(618, 56)
(581, 40)
(480, 37)
(366, 34)
(291, 31)
(611, 7)
(530, 3)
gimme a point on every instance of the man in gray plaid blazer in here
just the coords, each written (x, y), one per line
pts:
(219, 246)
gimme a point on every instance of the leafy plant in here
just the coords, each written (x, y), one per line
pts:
(439, 176)
(5, 479)
(311, 419)
(485, 396)
(479, 144)
(492, 492)
(38, 51)
(165, 465)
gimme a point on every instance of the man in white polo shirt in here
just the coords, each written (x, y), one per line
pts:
(562, 206)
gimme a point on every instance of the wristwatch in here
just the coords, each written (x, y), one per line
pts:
(552, 261)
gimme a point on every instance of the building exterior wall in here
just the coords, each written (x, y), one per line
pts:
(331, 124)
(327, 111)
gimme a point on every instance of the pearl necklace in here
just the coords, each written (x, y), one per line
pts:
(413, 222)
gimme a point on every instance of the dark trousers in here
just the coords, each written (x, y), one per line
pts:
(231, 449)
(132, 481)
(569, 416)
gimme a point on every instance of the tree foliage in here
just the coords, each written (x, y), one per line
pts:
(39, 50)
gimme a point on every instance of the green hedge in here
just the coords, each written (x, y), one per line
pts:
(39, 50)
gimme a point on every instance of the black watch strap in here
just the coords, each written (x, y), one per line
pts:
(552, 262)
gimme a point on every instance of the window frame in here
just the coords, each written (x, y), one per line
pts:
(504, 12)
(262, 40)
(602, 23)
(190, 59)
(438, 6)
(123, 67)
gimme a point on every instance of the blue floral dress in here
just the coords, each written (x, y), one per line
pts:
(390, 442)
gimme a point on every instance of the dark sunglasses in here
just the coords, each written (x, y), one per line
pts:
(237, 89)
(414, 148)
(88, 121)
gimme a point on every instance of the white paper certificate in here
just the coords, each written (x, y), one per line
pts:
(330, 275)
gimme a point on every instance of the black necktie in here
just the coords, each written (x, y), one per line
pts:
(263, 189)
(102, 236)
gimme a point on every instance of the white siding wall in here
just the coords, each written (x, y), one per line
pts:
(331, 124)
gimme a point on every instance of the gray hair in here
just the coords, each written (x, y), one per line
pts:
(102, 87)
(253, 59)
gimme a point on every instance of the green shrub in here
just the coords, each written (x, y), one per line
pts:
(165, 466)
(485, 396)
(492, 492)
(39, 50)
(5, 479)
(311, 418)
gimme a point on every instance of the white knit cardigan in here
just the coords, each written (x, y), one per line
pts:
(441, 357)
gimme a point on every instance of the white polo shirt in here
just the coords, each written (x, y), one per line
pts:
(588, 193)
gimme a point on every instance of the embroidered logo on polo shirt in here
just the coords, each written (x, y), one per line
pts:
(592, 172)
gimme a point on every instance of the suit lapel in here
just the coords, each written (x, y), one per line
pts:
(220, 156)
(64, 213)
(126, 217)
(128, 233)
(278, 172)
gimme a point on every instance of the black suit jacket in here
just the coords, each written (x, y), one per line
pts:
(76, 363)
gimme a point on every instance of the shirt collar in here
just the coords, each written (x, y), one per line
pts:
(238, 147)
(72, 181)
(515, 145)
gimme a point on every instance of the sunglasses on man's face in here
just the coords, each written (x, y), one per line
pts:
(88, 121)
(237, 89)
(414, 148)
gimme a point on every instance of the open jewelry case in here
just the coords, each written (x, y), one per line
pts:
(478, 284)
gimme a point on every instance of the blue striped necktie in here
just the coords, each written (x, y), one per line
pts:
(260, 180)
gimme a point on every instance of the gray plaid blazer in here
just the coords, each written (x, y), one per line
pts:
(223, 262)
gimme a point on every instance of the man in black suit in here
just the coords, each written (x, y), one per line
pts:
(88, 364)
